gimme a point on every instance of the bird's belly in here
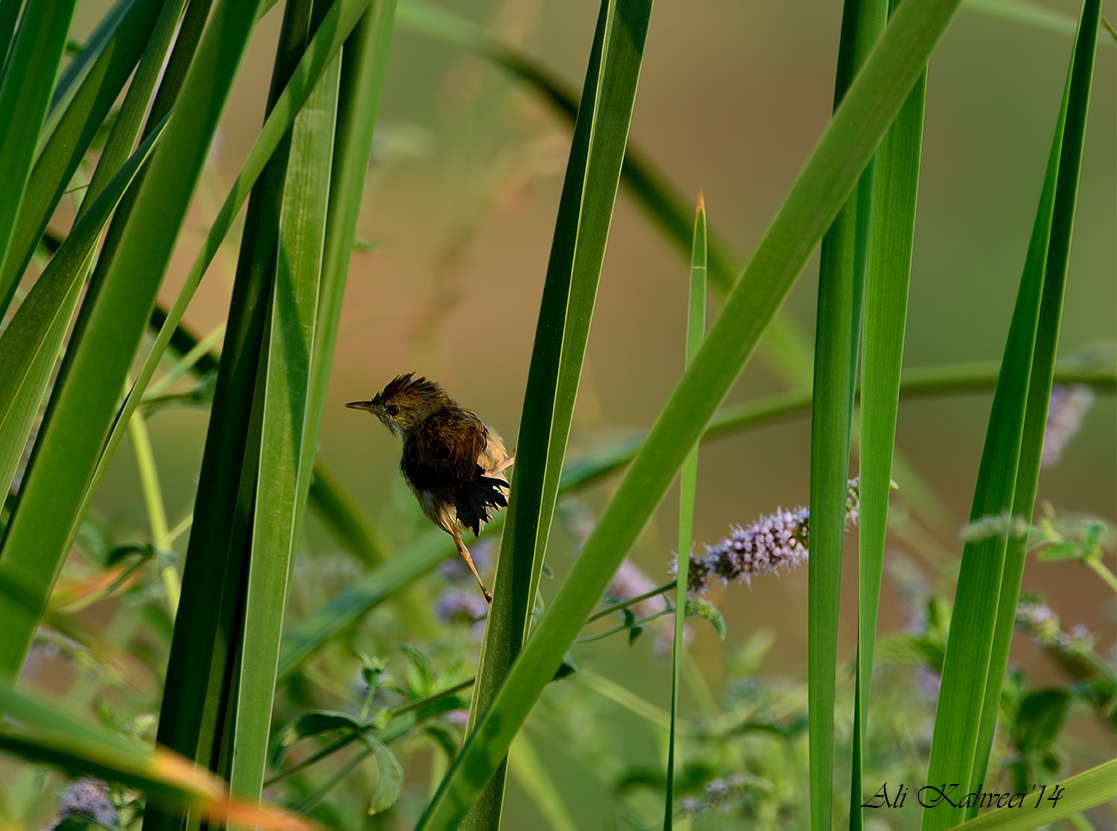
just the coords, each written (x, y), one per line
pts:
(438, 508)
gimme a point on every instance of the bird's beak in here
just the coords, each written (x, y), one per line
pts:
(360, 405)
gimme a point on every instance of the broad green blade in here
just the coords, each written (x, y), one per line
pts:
(1047, 804)
(977, 647)
(828, 178)
(573, 271)
(284, 461)
(688, 485)
(837, 330)
(888, 268)
(365, 61)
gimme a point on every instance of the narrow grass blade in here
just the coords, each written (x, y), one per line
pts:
(78, 66)
(888, 269)
(284, 461)
(837, 329)
(688, 485)
(25, 91)
(977, 646)
(9, 15)
(569, 292)
(873, 100)
(69, 141)
(1069, 146)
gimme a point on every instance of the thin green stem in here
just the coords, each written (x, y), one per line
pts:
(1099, 568)
(186, 363)
(176, 532)
(153, 502)
(669, 610)
(631, 601)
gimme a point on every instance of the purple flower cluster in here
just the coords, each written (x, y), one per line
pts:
(769, 545)
(1041, 624)
(1065, 410)
(88, 797)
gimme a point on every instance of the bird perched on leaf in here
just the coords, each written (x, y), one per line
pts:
(453, 463)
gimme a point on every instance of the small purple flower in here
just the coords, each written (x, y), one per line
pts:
(1079, 641)
(88, 797)
(1065, 410)
(1038, 622)
(458, 718)
(454, 570)
(690, 806)
(461, 606)
(630, 581)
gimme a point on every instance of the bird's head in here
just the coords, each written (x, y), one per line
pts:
(405, 403)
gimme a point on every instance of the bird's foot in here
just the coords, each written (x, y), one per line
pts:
(507, 463)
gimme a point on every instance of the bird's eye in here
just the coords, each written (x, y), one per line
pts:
(393, 410)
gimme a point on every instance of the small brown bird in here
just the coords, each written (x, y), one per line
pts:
(452, 462)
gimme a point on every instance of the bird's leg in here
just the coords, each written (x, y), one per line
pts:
(464, 553)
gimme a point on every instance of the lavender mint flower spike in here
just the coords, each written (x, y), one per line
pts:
(769, 545)
(1068, 405)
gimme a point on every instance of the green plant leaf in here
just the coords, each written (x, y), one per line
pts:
(1078, 793)
(989, 579)
(888, 269)
(389, 780)
(688, 485)
(339, 21)
(566, 309)
(1052, 267)
(837, 331)
(283, 478)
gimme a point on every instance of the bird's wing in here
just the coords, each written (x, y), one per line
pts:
(443, 450)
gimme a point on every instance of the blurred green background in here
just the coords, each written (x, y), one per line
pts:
(461, 200)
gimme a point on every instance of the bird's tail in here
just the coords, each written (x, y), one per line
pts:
(476, 500)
